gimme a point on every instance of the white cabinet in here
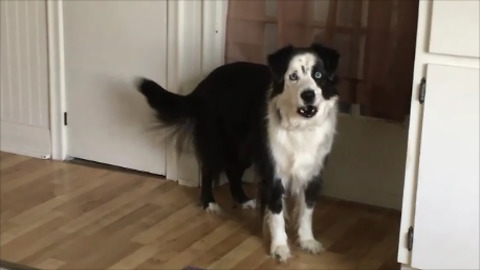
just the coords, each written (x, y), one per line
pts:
(440, 211)
(455, 28)
(446, 225)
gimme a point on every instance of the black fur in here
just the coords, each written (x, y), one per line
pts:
(312, 192)
(225, 109)
(227, 115)
(273, 196)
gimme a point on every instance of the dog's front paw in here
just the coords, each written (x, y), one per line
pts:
(250, 204)
(311, 246)
(213, 208)
(280, 252)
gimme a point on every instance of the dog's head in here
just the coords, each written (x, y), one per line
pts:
(303, 79)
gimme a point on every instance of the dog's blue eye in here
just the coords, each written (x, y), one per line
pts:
(317, 75)
(293, 77)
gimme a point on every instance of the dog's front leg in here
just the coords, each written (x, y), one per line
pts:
(276, 222)
(306, 204)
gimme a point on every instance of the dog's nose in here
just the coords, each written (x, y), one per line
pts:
(308, 96)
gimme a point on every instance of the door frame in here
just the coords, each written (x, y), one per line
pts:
(56, 78)
(184, 168)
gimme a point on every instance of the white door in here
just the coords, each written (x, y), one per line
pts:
(446, 229)
(107, 44)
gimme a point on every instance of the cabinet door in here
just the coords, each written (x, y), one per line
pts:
(455, 28)
(446, 228)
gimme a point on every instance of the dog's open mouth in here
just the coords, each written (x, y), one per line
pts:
(307, 111)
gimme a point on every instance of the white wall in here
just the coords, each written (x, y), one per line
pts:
(367, 162)
(24, 78)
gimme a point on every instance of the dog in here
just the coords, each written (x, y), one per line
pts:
(280, 117)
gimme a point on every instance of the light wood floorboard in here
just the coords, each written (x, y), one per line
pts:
(57, 215)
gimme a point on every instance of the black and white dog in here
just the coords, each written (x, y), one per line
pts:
(281, 117)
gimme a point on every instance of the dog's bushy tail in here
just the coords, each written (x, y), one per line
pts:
(171, 108)
(174, 112)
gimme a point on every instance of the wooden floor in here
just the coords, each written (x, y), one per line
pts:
(58, 215)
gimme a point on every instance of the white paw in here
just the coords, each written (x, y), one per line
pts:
(213, 208)
(280, 252)
(311, 245)
(250, 204)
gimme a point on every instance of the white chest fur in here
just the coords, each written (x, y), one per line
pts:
(299, 153)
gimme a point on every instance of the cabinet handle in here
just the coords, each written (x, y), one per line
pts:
(421, 93)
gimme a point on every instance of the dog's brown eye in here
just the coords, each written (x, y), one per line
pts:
(293, 77)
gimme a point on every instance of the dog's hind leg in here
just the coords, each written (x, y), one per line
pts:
(234, 174)
(207, 198)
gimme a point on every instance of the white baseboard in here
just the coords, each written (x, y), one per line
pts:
(406, 267)
(25, 140)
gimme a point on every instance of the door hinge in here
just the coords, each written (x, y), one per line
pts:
(410, 238)
(421, 93)
(65, 122)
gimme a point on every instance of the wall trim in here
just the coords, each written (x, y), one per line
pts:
(404, 256)
(173, 17)
(214, 20)
(56, 70)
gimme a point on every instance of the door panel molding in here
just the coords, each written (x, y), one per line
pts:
(24, 89)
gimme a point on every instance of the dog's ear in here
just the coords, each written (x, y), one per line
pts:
(330, 57)
(278, 61)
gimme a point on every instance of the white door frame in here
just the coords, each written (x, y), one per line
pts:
(210, 54)
(56, 71)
